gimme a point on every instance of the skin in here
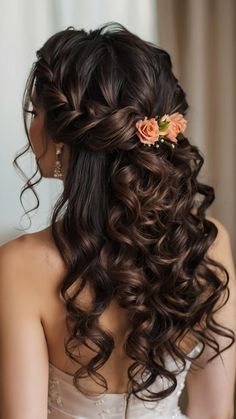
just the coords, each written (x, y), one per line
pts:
(32, 330)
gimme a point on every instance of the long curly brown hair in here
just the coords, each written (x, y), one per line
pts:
(132, 219)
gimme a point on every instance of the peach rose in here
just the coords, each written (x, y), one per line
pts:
(147, 130)
(177, 124)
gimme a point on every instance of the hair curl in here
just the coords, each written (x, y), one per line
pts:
(131, 225)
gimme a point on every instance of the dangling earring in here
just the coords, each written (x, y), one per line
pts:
(58, 166)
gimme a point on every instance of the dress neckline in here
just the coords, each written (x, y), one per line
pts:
(65, 376)
(69, 377)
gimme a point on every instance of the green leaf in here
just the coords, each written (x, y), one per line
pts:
(163, 125)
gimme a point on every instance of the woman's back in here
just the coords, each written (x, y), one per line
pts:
(37, 294)
(114, 318)
(63, 398)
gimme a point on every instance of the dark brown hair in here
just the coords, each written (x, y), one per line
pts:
(133, 222)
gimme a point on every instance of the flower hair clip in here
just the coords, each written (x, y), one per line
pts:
(153, 130)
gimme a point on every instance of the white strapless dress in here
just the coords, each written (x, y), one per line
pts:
(66, 402)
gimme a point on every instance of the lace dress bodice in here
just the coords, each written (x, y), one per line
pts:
(66, 402)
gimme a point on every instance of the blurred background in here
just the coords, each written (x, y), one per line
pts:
(199, 36)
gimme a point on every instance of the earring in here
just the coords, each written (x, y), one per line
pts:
(58, 166)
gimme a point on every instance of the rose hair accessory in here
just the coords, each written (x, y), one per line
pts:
(153, 130)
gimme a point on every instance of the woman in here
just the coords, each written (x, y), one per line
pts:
(129, 294)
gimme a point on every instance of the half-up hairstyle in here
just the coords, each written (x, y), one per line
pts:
(132, 219)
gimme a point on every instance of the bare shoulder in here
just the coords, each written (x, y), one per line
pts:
(23, 252)
(222, 230)
(32, 250)
(31, 265)
(219, 374)
(12, 255)
(24, 352)
(221, 248)
(17, 259)
(23, 243)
